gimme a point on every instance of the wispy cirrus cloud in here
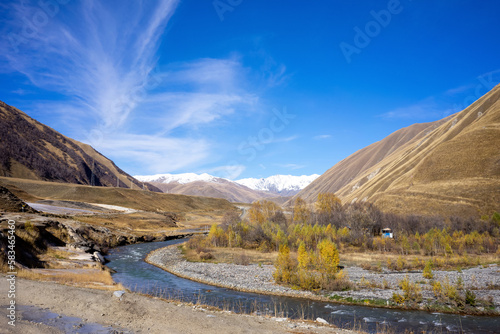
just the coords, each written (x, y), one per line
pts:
(291, 166)
(321, 137)
(101, 57)
(428, 108)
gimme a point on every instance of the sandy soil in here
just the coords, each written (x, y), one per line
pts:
(135, 313)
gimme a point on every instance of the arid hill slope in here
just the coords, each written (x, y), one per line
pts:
(32, 190)
(231, 191)
(32, 150)
(448, 167)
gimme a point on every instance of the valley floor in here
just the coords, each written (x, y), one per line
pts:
(484, 281)
(132, 313)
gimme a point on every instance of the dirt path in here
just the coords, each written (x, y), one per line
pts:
(134, 313)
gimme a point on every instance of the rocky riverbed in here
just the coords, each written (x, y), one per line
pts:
(484, 281)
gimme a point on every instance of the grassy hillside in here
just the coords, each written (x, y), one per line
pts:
(131, 198)
(354, 165)
(450, 167)
(32, 150)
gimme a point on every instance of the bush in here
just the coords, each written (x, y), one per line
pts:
(242, 259)
(206, 256)
(340, 283)
(470, 298)
(412, 292)
(398, 298)
(428, 270)
(196, 242)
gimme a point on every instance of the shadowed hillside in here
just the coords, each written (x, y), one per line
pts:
(31, 150)
(448, 167)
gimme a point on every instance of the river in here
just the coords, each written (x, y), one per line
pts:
(137, 275)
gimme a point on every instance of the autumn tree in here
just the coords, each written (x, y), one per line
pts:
(327, 203)
(262, 211)
(328, 258)
(285, 266)
(301, 212)
(303, 256)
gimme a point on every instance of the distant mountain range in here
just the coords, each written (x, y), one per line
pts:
(274, 187)
(32, 150)
(283, 185)
(449, 167)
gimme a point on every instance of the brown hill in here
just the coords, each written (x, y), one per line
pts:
(30, 190)
(231, 191)
(448, 167)
(32, 150)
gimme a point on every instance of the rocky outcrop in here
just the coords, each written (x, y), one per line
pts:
(11, 203)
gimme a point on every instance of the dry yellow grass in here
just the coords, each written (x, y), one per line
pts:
(232, 255)
(136, 223)
(87, 278)
(130, 198)
(376, 259)
(448, 167)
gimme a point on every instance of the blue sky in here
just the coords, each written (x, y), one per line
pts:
(240, 88)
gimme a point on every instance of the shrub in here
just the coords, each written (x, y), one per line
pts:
(206, 256)
(428, 270)
(398, 298)
(340, 282)
(412, 292)
(29, 227)
(470, 298)
(400, 264)
(242, 260)
(437, 289)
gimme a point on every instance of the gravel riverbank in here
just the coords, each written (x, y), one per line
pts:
(371, 285)
(251, 278)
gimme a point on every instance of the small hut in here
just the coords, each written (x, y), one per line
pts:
(387, 233)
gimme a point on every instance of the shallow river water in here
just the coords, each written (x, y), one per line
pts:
(137, 275)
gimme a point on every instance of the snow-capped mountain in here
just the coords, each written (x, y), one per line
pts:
(284, 185)
(179, 178)
(244, 190)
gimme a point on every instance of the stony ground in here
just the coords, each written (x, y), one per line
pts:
(477, 279)
(79, 310)
(371, 285)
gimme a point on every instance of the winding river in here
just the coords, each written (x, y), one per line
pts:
(137, 275)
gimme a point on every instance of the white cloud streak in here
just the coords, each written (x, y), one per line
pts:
(425, 109)
(102, 56)
(320, 137)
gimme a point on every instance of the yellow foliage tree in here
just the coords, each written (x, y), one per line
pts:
(303, 256)
(300, 211)
(327, 203)
(285, 266)
(328, 258)
(261, 211)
